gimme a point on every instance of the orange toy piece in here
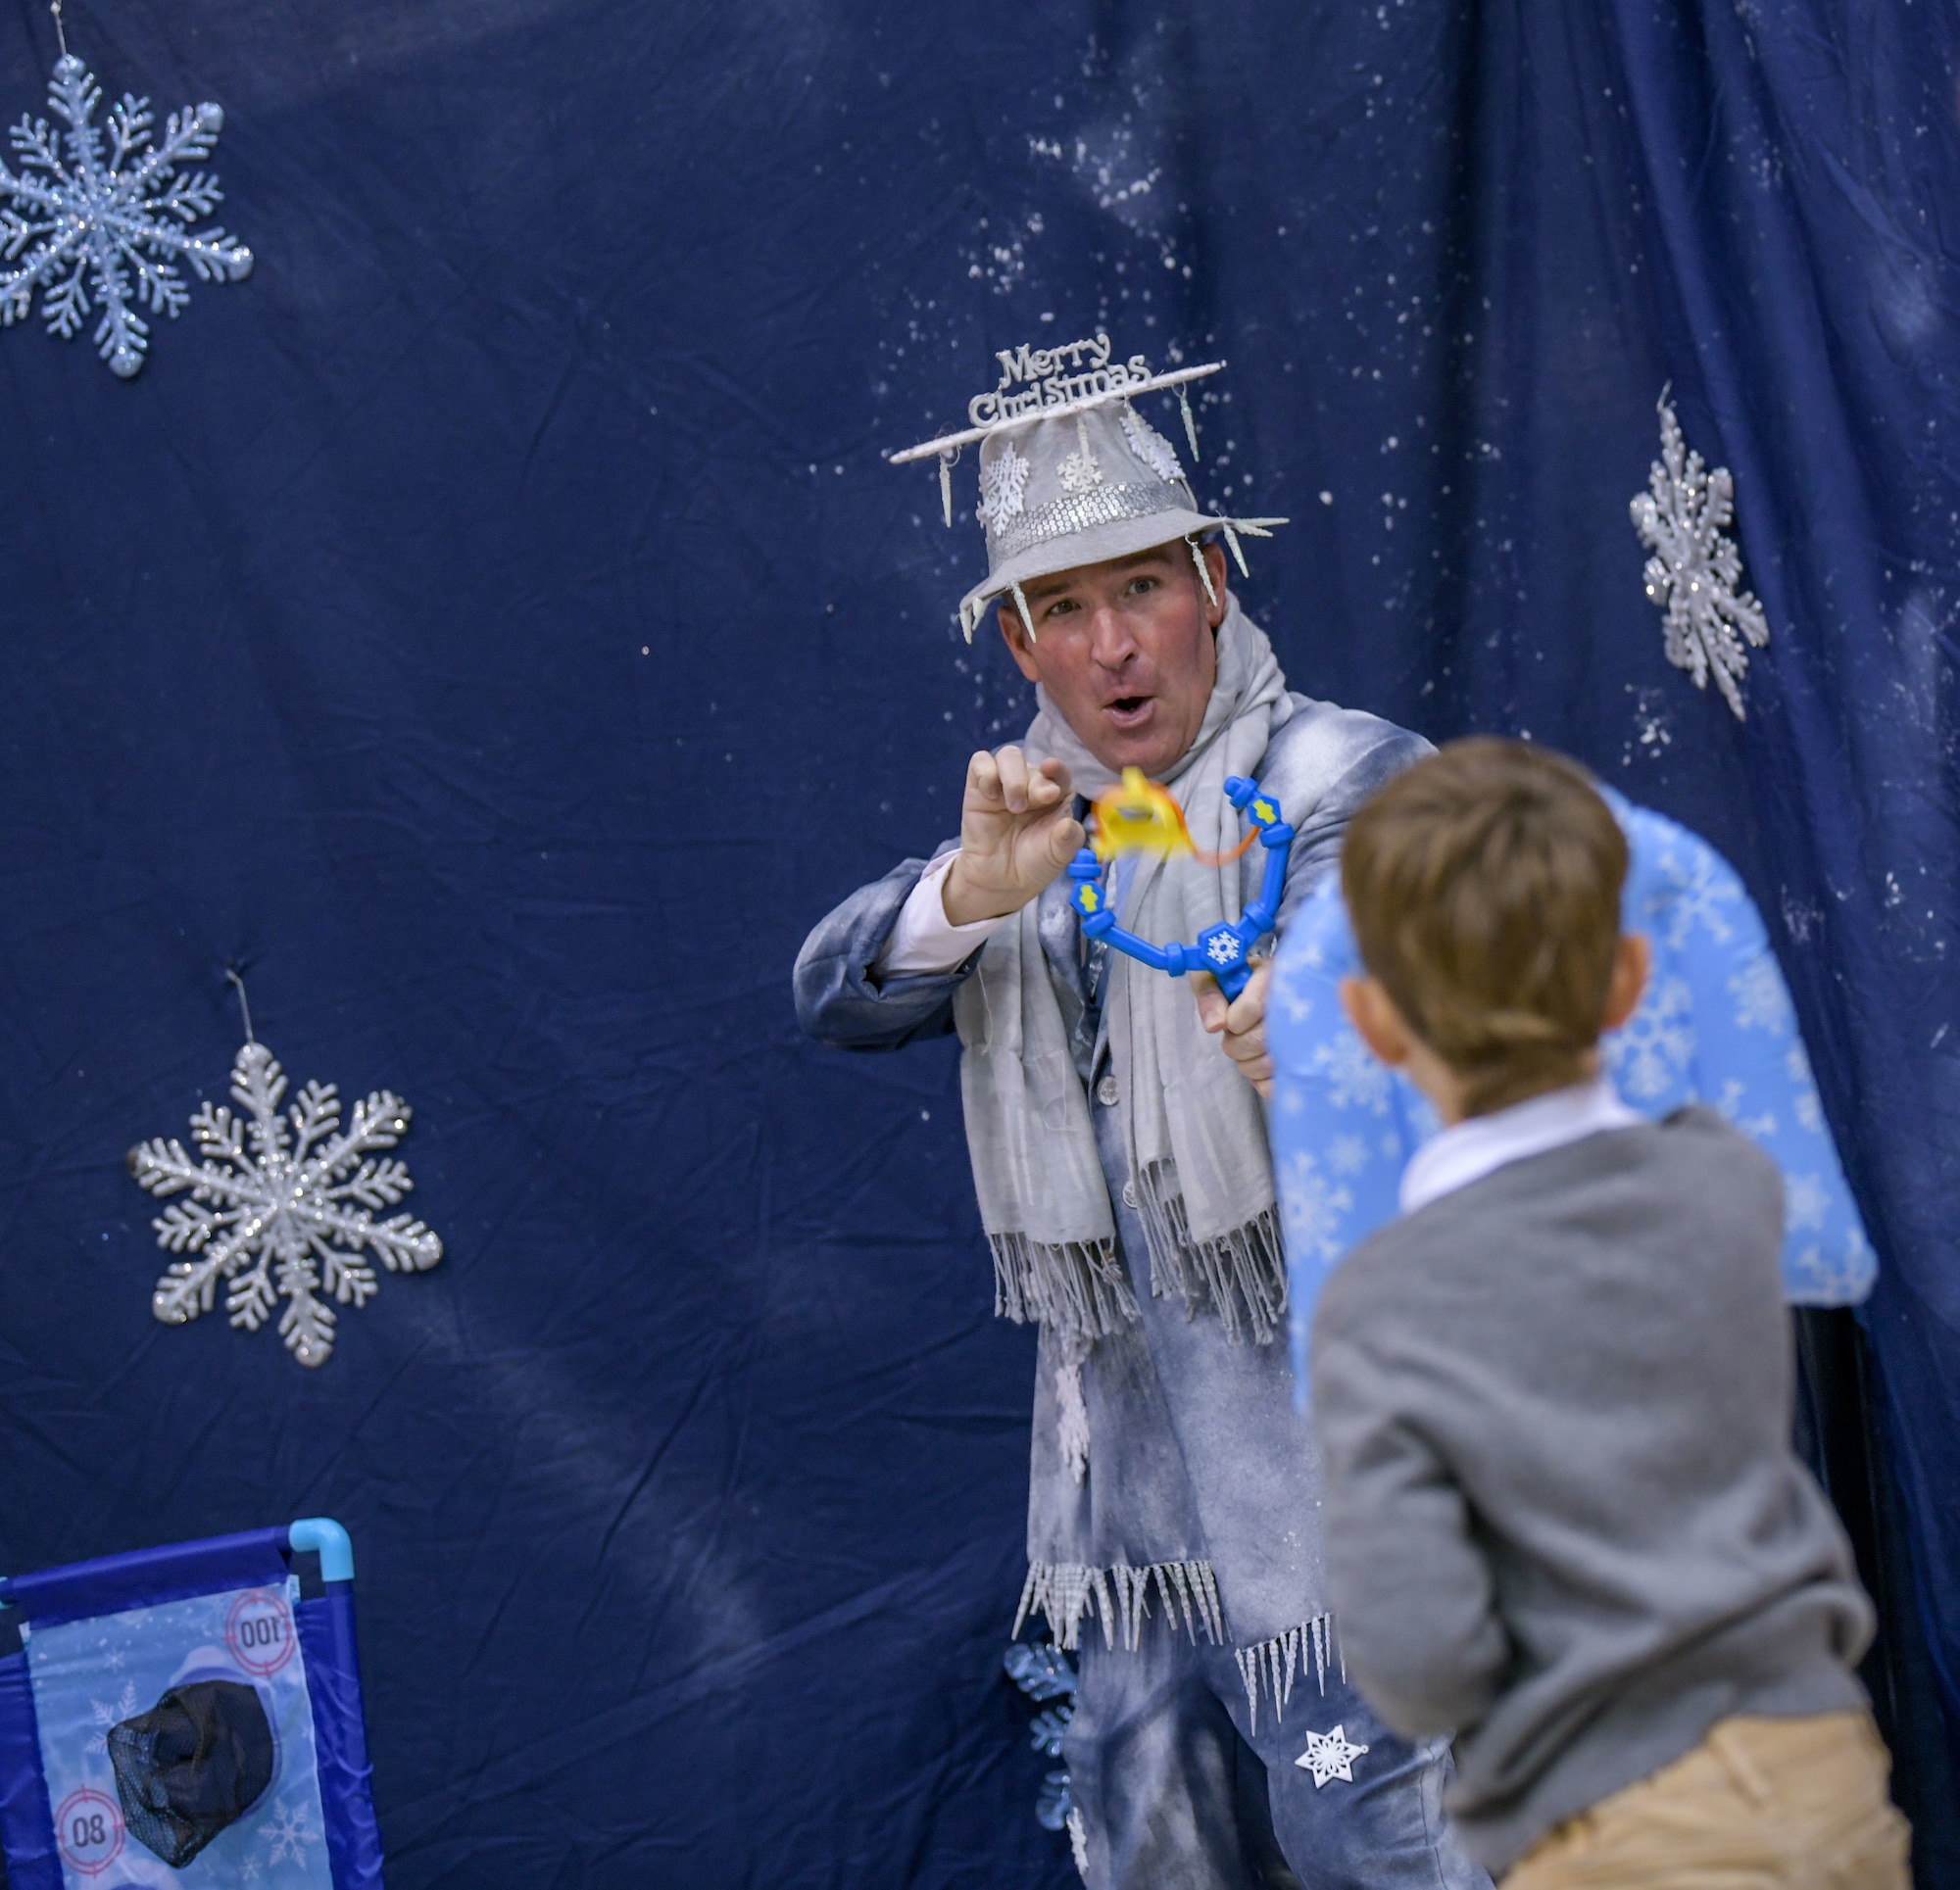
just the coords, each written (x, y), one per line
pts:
(1138, 816)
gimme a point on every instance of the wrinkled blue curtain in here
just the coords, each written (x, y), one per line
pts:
(493, 630)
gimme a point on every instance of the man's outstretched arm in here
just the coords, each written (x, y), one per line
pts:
(881, 970)
(843, 996)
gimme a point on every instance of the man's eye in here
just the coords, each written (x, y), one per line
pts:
(1139, 585)
(1059, 606)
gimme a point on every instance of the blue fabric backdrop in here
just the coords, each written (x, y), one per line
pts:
(493, 628)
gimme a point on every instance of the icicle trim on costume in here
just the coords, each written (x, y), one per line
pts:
(1204, 569)
(1270, 1667)
(1064, 1590)
(1242, 1268)
(1076, 1288)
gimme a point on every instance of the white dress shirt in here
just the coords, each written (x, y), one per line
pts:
(1473, 1148)
(924, 940)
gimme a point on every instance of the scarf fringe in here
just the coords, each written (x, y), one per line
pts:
(1245, 1269)
(1071, 1409)
(1064, 1592)
(1270, 1667)
(1077, 1288)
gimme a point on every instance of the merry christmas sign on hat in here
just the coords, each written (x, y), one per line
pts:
(1071, 473)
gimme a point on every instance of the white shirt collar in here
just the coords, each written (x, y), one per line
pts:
(1473, 1148)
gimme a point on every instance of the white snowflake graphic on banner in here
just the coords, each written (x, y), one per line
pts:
(107, 224)
(1806, 1201)
(1683, 518)
(297, 1204)
(1313, 1207)
(111, 1712)
(1700, 893)
(1354, 1079)
(1760, 1001)
(1330, 1755)
(1348, 1156)
(289, 1835)
(1654, 1048)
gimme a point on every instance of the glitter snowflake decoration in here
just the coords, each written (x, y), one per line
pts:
(1682, 519)
(1004, 481)
(281, 1205)
(110, 217)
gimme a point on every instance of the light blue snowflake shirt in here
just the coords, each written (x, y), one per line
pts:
(1715, 1026)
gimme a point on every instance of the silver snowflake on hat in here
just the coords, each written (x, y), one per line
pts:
(282, 1206)
(1003, 480)
(1683, 518)
(99, 216)
(1071, 473)
(1150, 447)
(1078, 472)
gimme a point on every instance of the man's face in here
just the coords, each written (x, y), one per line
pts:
(1126, 651)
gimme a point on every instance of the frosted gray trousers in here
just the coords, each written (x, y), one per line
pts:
(1178, 1792)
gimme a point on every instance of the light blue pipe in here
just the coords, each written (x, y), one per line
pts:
(332, 1544)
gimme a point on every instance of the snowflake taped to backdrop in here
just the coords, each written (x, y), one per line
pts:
(114, 221)
(297, 1203)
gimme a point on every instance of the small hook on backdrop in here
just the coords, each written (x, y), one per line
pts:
(243, 1003)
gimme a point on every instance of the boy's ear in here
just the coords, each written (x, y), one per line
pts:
(1631, 965)
(1377, 1021)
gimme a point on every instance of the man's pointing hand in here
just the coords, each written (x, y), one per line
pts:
(1018, 830)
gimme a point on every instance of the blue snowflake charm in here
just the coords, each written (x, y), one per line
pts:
(111, 216)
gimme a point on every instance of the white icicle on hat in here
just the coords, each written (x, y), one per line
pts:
(1071, 473)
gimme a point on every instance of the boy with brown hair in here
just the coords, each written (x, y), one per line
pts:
(1564, 1521)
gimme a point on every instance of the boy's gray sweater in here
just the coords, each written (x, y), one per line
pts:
(1563, 1516)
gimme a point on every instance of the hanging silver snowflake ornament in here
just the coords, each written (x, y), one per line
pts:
(99, 216)
(1683, 518)
(282, 1206)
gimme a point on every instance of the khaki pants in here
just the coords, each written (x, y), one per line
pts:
(1758, 1805)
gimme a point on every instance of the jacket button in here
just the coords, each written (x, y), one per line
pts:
(1106, 1092)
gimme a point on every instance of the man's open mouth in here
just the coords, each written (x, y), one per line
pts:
(1126, 709)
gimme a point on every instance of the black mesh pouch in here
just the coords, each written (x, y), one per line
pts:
(193, 1765)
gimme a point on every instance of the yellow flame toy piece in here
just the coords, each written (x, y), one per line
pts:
(1137, 816)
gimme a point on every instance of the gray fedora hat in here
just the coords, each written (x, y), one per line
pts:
(1071, 473)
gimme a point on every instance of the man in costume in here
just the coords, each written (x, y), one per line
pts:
(1121, 1161)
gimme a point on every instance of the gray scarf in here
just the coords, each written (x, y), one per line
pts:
(1195, 1129)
